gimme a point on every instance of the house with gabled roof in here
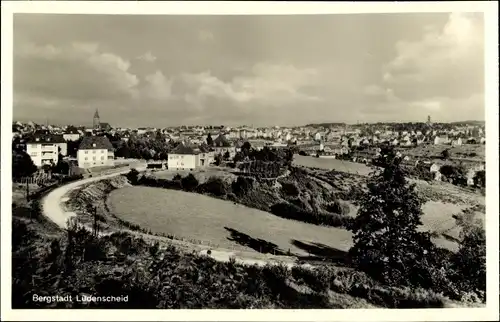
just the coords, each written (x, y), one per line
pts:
(95, 151)
(221, 145)
(190, 157)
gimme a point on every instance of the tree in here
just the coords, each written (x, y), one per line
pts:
(61, 167)
(218, 159)
(445, 154)
(227, 155)
(245, 148)
(471, 258)
(480, 179)
(210, 141)
(238, 157)
(22, 165)
(454, 173)
(387, 244)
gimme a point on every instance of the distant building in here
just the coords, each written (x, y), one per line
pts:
(44, 149)
(457, 142)
(97, 125)
(96, 122)
(221, 145)
(187, 157)
(95, 151)
(441, 140)
(71, 134)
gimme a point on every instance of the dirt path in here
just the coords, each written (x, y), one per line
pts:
(51, 204)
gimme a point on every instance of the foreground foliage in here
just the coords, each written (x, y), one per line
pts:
(78, 263)
(389, 246)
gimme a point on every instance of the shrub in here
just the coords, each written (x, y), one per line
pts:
(291, 211)
(133, 176)
(215, 186)
(290, 189)
(338, 208)
(242, 185)
(189, 182)
(471, 259)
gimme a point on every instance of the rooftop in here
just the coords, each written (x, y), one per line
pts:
(95, 143)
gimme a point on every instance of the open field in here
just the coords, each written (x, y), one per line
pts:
(467, 151)
(223, 223)
(229, 225)
(332, 164)
(201, 175)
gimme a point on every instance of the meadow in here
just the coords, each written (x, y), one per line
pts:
(223, 223)
(332, 164)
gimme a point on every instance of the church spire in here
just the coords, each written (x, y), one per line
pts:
(96, 123)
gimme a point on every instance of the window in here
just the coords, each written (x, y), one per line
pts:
(93, 151)
(86, 158)
(33, 146)
(93, 158)
(86, 152)
(102, 158)
(33, 154)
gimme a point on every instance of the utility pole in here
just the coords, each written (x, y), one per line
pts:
(27, 190)
(94, 228)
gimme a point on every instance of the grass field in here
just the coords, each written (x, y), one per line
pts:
(332, 164)
(469, 151)
(223, 223)
(228, 225)
(201, 175)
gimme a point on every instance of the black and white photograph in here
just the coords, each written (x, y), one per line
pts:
(250, 161)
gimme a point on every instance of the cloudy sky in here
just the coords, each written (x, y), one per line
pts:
(260, 70)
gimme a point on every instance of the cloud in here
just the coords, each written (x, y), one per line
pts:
(436, 74)
(158, 86)
(205, 36)
(78, 71)
(147, 57)
(447, 62)
(265, 83)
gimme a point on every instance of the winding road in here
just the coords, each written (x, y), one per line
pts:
(51, 208)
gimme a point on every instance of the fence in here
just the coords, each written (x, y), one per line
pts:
(39, 180)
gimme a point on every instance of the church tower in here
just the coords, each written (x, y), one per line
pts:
(97, 122)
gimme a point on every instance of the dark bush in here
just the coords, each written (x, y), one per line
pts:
(290, 211)
(189, 182)
(338, 208)
(215, 186)
(133, 176)
(242, 185)
(290, 189)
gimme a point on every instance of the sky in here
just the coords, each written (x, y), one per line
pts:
(256, 70)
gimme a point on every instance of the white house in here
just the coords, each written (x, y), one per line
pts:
(95, 151)
(186, 157)
(44, 149)
(317, 136)
(457, 142)
(441, 140)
